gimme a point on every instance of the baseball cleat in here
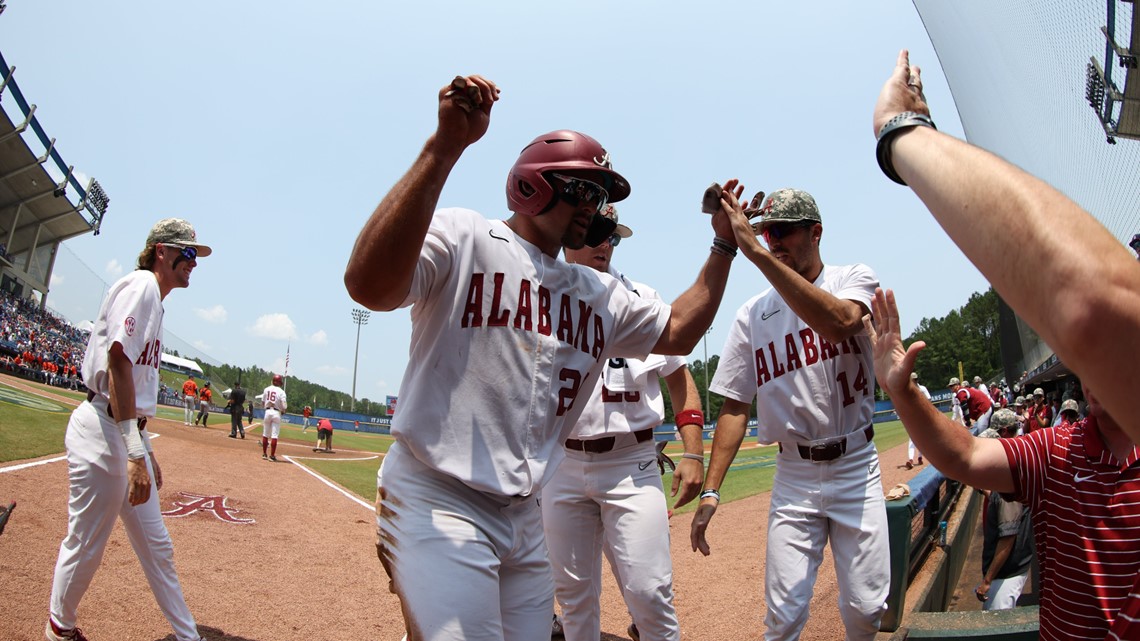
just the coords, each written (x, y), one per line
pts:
(264, 457)
(316, 449)
(53, 633)
(632, 632)
(273, 458)
(6, 512)
(556, 628)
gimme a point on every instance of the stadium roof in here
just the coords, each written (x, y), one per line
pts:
(43, 202)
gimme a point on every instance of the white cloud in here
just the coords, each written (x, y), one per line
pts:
(319, 338)
(55, 280)
(216, 314)
(202, 345)
(113, 268)
(276, 326)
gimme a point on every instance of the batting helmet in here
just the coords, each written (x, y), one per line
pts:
(529, 191)
(277, 380)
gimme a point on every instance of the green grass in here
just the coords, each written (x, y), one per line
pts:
(30, 432)
(358, 477)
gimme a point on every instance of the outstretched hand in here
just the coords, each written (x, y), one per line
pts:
(902, 92)
(465, 109)
(893, 362)
(725, 221)
(700, 524)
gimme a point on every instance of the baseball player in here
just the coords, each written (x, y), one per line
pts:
(324, 436)
(189, 398)
(505, 338)
(306, 412)
(799, 349)
(606, 495)
(977, 406)
(911, 450)
(273, 400)
(237, 407)
(204, 397)
(109, 458)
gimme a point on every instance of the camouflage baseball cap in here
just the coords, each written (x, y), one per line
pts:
(1069, 405)
(788, 206)
(1003, 418)
(175, 231)
(1020, 400)
(611, 212)
(954, 381)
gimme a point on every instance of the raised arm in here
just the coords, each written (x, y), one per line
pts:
(977, 197)
(980, 462)
(383, 261)
(694, 310)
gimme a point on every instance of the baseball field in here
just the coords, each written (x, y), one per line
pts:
(286, 550)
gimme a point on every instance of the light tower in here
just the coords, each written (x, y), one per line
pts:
(360, 317)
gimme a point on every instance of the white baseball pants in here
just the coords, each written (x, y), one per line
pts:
(812, 503)
(190, 401)
(1004, 593)
(613, 503)
(97, 469)
(467, 565)
(271, 424)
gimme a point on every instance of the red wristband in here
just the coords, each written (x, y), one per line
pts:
(691, 417)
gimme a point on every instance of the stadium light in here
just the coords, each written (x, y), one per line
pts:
(360, 317)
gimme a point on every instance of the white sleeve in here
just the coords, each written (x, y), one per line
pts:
(735, 375)
(436, 256)
(858, 284)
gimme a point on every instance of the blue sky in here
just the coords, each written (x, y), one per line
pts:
(276, 127)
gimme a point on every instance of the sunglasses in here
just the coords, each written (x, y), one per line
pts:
(576, 191)
(614, 240)
(780, 231)
(189, 253)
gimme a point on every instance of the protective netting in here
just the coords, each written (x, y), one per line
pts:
(1017, 70)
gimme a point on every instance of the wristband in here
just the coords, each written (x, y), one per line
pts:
(135, 448)
(727, 247)
(711, 494)
(889, 132)
(145, 437)
(691, 417)
(694, 457)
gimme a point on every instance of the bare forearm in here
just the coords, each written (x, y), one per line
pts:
(695, 308)
(383, 261)
(1002, 551)
(950, 448)
(977, 198)
(833, 318)
(122, 384)
(729, 434)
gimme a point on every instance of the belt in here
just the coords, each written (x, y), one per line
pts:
(92, 397)
(829, 451)
(606, 443)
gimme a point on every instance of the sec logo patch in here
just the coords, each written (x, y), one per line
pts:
(129, 325)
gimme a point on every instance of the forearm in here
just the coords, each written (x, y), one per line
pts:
(122, 384)
(1002, 551)
(953, 450)
(977, 197)
(383, 260)
(729, 434)
(693, 311)
(833, 318)
(685, 398)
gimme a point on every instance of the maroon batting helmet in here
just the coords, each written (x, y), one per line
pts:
(529, 190)
(277, 380)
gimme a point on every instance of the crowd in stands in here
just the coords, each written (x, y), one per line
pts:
(38, 345)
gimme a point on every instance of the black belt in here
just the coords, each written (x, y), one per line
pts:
(91, 397)
(829, 451)
(606, 443)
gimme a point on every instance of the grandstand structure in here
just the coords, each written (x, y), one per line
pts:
(43, 200)
(1024, 75)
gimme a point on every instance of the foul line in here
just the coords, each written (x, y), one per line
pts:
(370, 507)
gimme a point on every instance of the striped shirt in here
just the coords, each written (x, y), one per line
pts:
(1086, 519)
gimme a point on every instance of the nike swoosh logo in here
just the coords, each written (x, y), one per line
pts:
(765, 317)
(491, 233)
(1077, 478)
(642, 466)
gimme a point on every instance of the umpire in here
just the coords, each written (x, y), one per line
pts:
(236, 405)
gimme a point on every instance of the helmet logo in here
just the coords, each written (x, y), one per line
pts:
(604, 161)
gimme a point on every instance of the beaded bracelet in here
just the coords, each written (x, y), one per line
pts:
(711, 494)
(889, 132)
(723, 247)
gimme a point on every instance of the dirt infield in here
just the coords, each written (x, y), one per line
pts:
(304, 565)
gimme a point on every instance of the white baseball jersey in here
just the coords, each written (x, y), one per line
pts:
(273, 398)
(807, 388)
(504, 339)
(131, 315)
(627, 396)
